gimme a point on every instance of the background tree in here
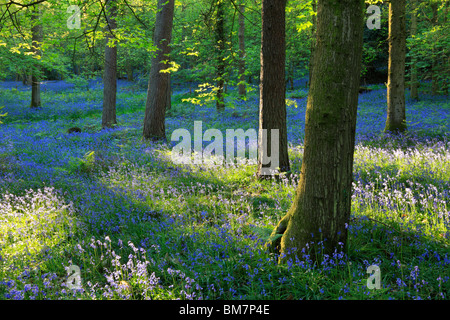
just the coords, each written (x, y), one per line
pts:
(272, 97)
(396, 114)
(413, 32)
(220, 52)
(36, 42)
(241, 35)
(110, 69)
(158, 83)
(322, 204)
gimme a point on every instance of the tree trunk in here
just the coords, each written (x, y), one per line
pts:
(129, 70)
(110, 71)
(36, 39)
(396, 115)
(313, 41)
(445, 60)
(158, 82)
(220, 41)
(434, 59)
(322, 204)
(414, 83)
(169, 96)
(272, 101)
(241, 36)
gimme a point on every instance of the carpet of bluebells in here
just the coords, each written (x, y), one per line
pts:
(141, 227)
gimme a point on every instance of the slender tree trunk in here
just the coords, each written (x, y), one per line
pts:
(129, 70)
(36, 39)
(241, 36)
(313, 41)
(220, 41)
(445, 60)
(169, 96)
(396, 115)
(110, 71)
(321, 208)
(414, 82)
(272, 101)
(434, 58)
(158, 83)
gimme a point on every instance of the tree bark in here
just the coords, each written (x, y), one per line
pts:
(313, 41)
(220, 42)
(110, 70)
(322, 204)
(272, 101)
(414, 83)
(36, 39)
(241, 36)
(158, 83)
(396, 115)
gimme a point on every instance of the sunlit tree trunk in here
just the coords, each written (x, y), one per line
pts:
(272, 101)
(110, 69)
(36, 40)
(396, 114)
(158, 83)
(322, 204)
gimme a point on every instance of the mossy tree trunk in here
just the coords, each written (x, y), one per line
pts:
(110, 70)
(272, 102)
(158, 83)
(396, 114)
(322, 204)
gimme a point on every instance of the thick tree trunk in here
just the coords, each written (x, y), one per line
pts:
(220, 42)
(158, 83)
(241, 36)
(36, 39)
(272, 101)
(396, 115)
(110, 71)
(321, 208)
(414, 83)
